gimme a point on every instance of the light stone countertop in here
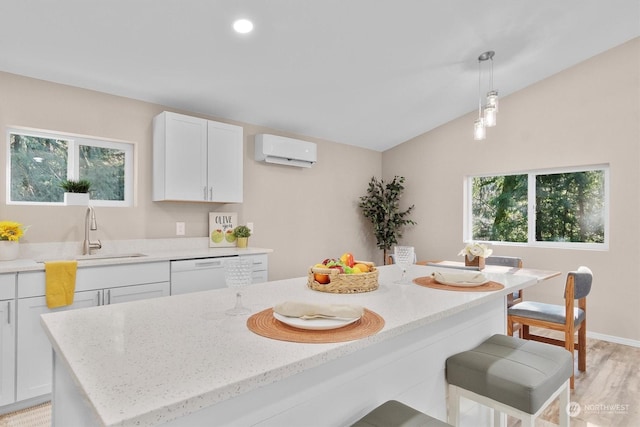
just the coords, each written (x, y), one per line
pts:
(33, 255)
(147, 362)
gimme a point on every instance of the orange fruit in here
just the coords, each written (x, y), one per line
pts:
(323, 279)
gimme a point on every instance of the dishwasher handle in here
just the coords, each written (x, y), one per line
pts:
(199, 264)
(209, 263)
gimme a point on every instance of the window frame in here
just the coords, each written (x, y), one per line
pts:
(74, 141)
(467, 228)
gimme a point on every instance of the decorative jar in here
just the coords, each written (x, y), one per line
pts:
(9, 250)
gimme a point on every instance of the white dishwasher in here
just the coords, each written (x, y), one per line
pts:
(195, 275)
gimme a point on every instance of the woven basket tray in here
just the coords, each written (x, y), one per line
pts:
(345, 283)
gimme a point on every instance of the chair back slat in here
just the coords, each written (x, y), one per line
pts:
(505, 261)
(582, 279)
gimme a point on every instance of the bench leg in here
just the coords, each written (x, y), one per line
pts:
(453, 406)
(563, 408)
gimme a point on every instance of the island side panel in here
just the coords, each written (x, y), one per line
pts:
(409, 367)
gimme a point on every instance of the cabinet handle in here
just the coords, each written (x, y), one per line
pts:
(204, 192)
(208, 264)
(210, 193)
(99, 302)
(9, 312)
(109, 296)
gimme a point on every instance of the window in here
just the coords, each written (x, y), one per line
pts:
(565, 208)
(39, 161)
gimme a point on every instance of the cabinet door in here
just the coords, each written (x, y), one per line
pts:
(34, 371)
(225, 155)
(184, 167)
(260, 269)
(7, 352)
(136, 292)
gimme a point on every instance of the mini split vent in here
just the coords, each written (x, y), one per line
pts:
(285, 151)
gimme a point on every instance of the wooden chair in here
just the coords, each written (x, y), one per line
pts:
(508, 261)
(567, 319)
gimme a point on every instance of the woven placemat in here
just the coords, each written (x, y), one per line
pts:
(263, 323)
(430, 282)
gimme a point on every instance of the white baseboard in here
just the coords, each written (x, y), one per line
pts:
(613, 339)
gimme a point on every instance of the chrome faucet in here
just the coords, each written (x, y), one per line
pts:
(90, 224)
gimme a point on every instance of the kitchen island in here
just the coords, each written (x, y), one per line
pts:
(180, 360)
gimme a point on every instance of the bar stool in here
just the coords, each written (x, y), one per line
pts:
(511, 376)
(396, 414)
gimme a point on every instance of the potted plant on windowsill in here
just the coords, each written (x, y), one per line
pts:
(242, 233)
(76, 192)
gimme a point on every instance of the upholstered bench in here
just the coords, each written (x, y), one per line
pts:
(397, 414)
(512, 376)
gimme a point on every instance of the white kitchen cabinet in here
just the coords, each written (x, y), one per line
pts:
(206, 274)
(260, 269)
(34, 368)
(7, 338)
(196, 160)
(34, 349)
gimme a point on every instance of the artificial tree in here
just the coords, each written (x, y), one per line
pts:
(381, 205)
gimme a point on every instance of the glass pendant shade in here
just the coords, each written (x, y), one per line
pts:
(489, 116)
(492, 99)
(479, 131)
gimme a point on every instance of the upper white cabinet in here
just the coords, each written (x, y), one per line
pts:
(196, 160)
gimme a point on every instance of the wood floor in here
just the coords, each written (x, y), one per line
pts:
(608, 393)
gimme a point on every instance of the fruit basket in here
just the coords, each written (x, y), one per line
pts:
(341, 283)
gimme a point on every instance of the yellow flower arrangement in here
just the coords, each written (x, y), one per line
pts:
(10, 230)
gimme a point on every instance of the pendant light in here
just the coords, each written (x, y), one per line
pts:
(487, 115)
(479, 131)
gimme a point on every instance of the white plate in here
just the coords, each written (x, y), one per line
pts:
(462, 284)
(314, 324)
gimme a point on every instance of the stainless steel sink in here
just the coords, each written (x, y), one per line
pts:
(96, 257)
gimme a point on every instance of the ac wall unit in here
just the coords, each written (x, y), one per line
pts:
(285, 151)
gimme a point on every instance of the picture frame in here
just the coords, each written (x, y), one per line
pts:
(221, 226)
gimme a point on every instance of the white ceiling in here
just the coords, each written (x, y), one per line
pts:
(369, 73)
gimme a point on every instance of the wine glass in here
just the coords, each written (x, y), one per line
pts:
(237, 273)
(404, 257)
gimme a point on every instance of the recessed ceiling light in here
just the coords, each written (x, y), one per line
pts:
(243, 26)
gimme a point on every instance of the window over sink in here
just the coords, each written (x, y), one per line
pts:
(38, 161)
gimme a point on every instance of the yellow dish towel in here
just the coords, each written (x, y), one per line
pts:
(60, 282)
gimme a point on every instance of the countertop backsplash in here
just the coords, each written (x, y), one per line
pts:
(72, 249)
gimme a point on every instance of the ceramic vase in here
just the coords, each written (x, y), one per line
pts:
(76, 199)
(475, 262)
(242, 242)
(9, 250)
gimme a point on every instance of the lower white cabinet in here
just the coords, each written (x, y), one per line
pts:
(206, 274)
(34, 368)
(34, 354)
(7, 338)
(260, 270)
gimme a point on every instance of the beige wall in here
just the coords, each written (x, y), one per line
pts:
(589, 114)
(305, 215)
